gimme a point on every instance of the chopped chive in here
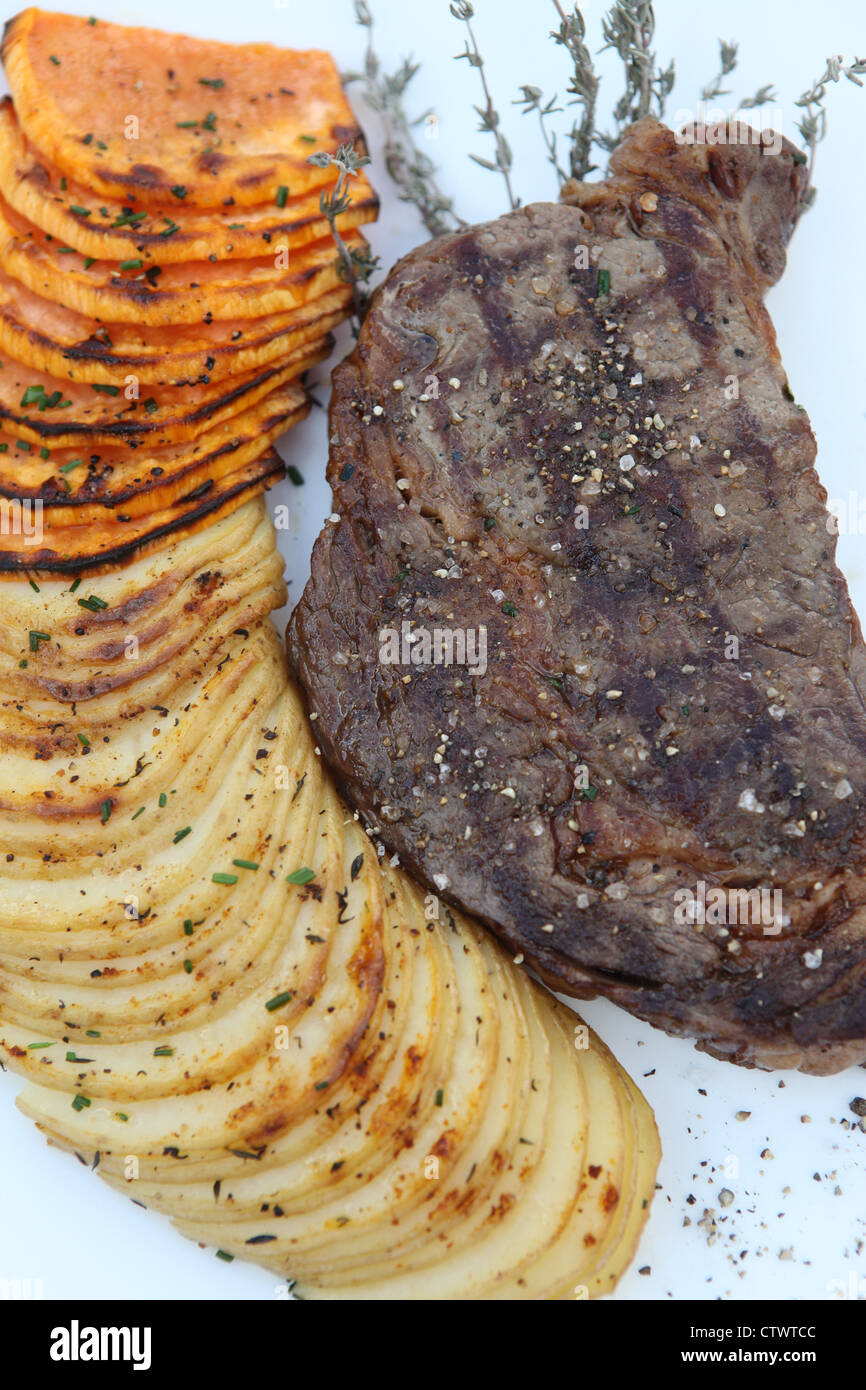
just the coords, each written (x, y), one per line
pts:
(106, 809)
(135, 264)
(75, 583)
(83, 740)
(188, 927)
(181, 834)
(295, 475)
(37, 1047)
(138, 813)
(224, 1255)
(80, 1102)
(89, 261)
(163, 799)
(603, 285)
(35, 586)
(244, 864)
(106, 390)
(55, 60)
(150, 405)
(279, 1001)
(80, 212)
(178, 191)
(163, 1052)
(509, 610)
(36, 638)
(589, 793)
(440, 1096)
(44, 453)
(309, 139)
(187, 965)
(92, 1033)
(227, 879)
(68, 467)
(301, 876)
(282, 195)
(215, 83)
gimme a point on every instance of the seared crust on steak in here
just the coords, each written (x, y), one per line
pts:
(604, 468)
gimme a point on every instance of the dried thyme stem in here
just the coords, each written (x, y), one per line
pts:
(412, 171)
(583, 88)
(462, 10)
(357, 267)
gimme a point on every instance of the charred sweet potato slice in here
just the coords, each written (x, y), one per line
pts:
(195, 292)
(131, 110)
(41, 408)
(42, 334)
(118, 229)
(73, 480)
(105, 543)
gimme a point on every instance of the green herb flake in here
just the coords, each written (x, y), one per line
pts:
(301, 876)
(279, 1001)
(244, 864)
(282, 195)
(227, 879)
(37, 637)
(81, 1102)
(603, 284)
(295, 475)
(181, 834)
(163, 1052)
(105, 810)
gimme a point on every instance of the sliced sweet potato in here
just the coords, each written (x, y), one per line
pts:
(209, 120)
(119, 229)
(129, 292)
(96, 546)
(39, 408)
(74, 481)
(42, 334)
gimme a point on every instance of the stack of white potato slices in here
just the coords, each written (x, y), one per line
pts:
(165, 278)
(220, 993)
(232, 1006)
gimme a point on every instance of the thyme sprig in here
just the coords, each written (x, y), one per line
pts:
(533, 100)
(357, 265)
(582, 87)
(813, 126)
(411, 169)
(727, 64)
(628, 28)
(488, 115)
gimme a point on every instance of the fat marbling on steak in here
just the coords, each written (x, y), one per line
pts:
(571, 427)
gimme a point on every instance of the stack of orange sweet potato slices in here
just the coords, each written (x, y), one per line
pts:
(165, 278)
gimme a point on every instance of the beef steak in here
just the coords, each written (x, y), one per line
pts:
(570, 428)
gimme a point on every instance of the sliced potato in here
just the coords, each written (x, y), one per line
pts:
(44, 335)
(318, 1074)
(123, 228)
(213, 120)
(191, 292)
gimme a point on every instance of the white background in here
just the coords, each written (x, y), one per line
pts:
(58, 1224)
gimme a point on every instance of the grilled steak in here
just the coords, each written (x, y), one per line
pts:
(570, 428)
